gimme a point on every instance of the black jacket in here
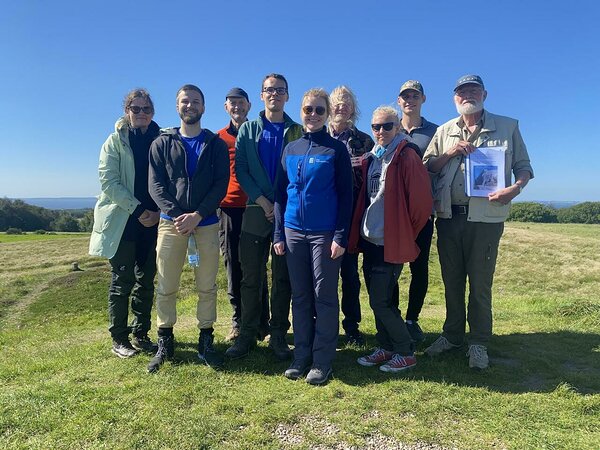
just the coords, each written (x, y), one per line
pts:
(168, 181)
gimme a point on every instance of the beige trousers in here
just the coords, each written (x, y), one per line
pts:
(171, 255)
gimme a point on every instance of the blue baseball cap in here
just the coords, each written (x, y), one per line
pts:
(469, 79)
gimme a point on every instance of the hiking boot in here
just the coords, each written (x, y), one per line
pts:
(399, 363)
(280, 348)
(378, 356)
(143, 343)
(478, 357)
(240, 348)
(297, 369)
(234, 333)
(439, 346)
(206, 351)
(416, 334)
(166, 350)
(318, 375)
(123, 349)
(355, 338)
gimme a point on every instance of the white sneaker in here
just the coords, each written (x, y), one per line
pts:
(478, 357)
(440, 345)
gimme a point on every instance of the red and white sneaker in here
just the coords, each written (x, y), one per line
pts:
(399, 363)
(377, 357)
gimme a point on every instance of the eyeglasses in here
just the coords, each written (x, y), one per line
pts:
(386, 126)
(308, 110)
(138, 109)
(272, 90)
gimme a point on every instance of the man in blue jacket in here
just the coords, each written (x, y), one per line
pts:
(258, 151)
(188, 177)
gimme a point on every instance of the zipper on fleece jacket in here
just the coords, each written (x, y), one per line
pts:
(189, 184)
(190, 179)
(301, 176)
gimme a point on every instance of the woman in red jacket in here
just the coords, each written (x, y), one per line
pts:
(393, 205)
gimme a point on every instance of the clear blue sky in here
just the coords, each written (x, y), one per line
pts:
(66, 66)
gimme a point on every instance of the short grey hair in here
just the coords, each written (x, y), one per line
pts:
(388, 111)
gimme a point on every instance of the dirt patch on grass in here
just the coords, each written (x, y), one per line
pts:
(294, 435)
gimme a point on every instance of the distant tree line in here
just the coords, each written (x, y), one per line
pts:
(587, 212)
(16, 215)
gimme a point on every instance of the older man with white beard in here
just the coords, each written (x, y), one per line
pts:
(469, 228)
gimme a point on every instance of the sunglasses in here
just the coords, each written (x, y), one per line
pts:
(386, 126)
(138, 109)
(308, 110)
(272, 90)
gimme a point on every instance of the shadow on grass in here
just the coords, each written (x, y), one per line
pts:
(519, 363)
(259, 361)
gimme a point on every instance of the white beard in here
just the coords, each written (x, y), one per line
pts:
(469, 108)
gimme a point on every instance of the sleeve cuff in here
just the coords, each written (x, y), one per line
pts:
(138, 211)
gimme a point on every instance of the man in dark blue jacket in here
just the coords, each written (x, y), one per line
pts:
(189, 173)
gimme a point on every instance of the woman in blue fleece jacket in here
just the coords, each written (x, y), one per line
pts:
(313, 205)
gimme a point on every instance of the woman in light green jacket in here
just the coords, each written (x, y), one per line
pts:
(125, 224)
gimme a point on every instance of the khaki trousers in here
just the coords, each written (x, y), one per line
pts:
(171, 251)
(468, 250)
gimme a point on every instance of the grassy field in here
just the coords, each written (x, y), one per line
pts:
(61, 388)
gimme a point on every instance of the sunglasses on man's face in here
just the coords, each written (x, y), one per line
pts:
(138, 109)
(308, 110)
(386, 126)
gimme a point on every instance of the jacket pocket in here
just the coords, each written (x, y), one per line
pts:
(497, 209)
(104, 216)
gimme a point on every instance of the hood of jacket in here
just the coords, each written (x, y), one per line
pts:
(173, 132)
(122, 128)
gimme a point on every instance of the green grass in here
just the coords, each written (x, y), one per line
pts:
(60, 387)
(4, 238)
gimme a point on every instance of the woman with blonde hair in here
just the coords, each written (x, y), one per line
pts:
(393, 205)
(313, 203)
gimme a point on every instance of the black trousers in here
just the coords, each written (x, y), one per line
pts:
(419, 271)
(230, 228)
(381, 279)
(254, 255)
(350, 293)
(133, 269)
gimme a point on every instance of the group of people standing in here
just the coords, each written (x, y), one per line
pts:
(308, 198)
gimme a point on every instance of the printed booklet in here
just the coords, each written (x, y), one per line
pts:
(484, 171)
